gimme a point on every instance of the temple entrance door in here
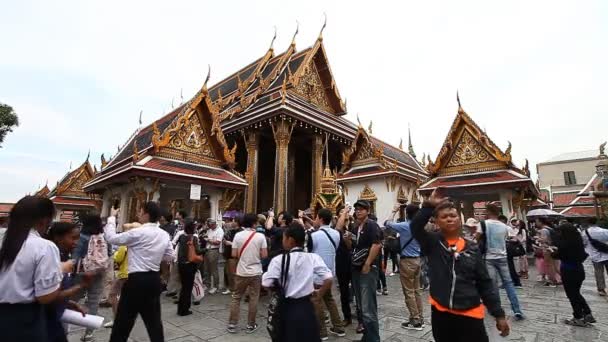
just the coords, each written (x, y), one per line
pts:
(266, 160)
(300, 174)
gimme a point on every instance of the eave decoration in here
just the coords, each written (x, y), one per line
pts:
(401, 196)
(315, 82)
(468, 149)
(329, 196)
(362, 150)
(368, 194)
(72, 184)
(195, 135)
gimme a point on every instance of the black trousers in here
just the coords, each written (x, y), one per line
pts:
(573, 278)
(344, 279)
(301, 323)
(140, 295)
(381, 280)
(448, 327)
(187, 271)
(394, 256)
(513, 272)
(23, 323)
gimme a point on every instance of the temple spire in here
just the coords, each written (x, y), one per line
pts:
(410, 147)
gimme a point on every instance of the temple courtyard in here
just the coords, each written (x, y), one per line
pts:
(545, 308)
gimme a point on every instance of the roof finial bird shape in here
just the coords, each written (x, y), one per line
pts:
(207, 78)
(293, 39)
(140, 114)
(369, 128)
(323, 27)
(359, 121)
(458, 100)
(273, 39)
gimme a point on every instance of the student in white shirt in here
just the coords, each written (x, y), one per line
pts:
(249, 247)
(30, 271)
(148, 245)
(304, 269)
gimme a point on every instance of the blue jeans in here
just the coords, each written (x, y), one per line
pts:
(498, 268)
(364, 287)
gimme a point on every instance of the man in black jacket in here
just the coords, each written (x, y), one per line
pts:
(460, 285)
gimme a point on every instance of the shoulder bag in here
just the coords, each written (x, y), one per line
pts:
(274, 322)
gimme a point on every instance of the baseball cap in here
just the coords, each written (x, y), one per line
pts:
(362, 204)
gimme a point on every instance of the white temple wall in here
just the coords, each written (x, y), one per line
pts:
(386, 195)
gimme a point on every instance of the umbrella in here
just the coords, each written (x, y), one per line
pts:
(543, 212)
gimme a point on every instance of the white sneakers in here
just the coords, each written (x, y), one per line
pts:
(109, 324)
(213, 290)
(227, 292)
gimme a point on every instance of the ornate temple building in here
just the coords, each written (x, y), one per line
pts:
(68, 195)
(471, 168)
(271, 135)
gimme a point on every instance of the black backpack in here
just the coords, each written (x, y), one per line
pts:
(600, 246)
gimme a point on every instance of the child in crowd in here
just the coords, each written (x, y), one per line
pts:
(65, 236)
(298, 312)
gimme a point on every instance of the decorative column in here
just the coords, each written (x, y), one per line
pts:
(317, 164)
(282, 135)
(106, 204)
(252, 142)
(124, 207)
(505, 202)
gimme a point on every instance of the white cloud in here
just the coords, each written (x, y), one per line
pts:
(530, 72)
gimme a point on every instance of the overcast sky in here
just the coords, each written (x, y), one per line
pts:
(79, 72)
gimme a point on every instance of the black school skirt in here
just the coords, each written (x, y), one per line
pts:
(301, 323)
(22, 323)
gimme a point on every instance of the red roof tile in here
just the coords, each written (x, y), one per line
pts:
(187, 169)
(489, 178)
(563, 199)
(6, 207)
(579, 211)
(75, 201)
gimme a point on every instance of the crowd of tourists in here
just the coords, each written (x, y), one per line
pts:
(48, 267)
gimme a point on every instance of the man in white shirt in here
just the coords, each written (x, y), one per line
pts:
(214, 238)
(598, 258)
(148, 245)
(249, 247)
(324, 242)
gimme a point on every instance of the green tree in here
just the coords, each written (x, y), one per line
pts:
(8, 120)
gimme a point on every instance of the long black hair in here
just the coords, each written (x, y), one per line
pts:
(91, 224)
(24, 216)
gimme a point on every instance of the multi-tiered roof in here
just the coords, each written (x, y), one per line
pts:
(190, 140)
(469, 158)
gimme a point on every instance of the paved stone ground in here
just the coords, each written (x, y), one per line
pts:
(545, 308)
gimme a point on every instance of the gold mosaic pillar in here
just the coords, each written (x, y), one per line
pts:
(317, 164)
(251, 174)
(282, 135)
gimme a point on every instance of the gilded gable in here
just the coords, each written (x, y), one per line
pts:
(469, 151)
(311, 88)
(188, 142)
